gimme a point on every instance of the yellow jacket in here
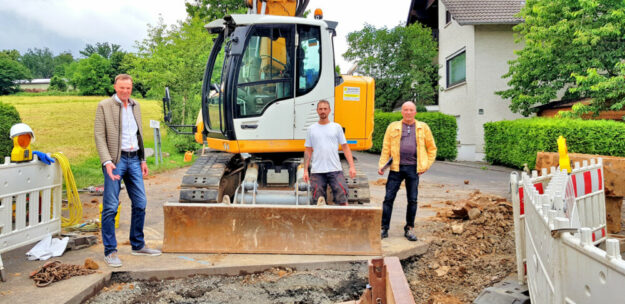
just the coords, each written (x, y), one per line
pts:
(425, 146)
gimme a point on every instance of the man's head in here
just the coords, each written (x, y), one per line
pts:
(123, 86)
(408, 111)
(323, 109)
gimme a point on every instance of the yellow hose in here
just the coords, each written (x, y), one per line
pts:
(74, 206)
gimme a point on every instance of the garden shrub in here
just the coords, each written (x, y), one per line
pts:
(444, 129)
(513, 143)
(8, 117)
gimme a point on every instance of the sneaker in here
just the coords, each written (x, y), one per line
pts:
(146, 251)
(409, 234)
(113, 260)
(384, 233)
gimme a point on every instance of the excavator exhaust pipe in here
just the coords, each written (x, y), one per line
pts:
(278, 229)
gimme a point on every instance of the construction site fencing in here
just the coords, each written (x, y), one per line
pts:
(562, 251)
(30, 203)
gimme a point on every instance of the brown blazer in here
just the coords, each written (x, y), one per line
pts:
(108, 131)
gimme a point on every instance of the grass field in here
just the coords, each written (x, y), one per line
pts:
(65, 124)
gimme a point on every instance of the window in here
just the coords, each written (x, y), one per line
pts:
(309, 58)
(448, 17)
(266, 70)
(456, 69)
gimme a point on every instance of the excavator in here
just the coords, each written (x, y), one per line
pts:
(264, 76)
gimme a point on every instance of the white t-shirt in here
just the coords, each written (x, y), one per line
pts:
(325, 141)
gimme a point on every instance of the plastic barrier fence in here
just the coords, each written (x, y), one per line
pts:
(30, 203)
(587, 189)
(563, 263)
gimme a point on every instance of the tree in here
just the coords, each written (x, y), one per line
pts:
(57, 84)
(61, 61)
(175, 58)
(13, 54)
(209, 10)
(571, 46)
(401, 60)
(10, 71)
(103, 49)
(40, 62)
(91, 76)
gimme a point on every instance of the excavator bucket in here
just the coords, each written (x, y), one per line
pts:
(221, 228)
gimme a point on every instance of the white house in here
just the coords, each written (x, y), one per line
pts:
(476, 42)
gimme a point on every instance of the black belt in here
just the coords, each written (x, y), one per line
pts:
(130, 154)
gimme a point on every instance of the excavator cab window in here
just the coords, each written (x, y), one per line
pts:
(308, 58)
(266, 69)
(214, 87)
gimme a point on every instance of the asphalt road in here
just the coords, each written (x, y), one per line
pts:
(480, 175)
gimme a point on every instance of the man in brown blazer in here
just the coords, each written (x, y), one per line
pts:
(119, 140)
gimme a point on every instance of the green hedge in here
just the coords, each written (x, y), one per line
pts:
(8, 117)
(515, 142)
(443, 128)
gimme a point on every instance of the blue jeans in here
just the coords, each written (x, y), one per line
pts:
(129, 168)
(409, 174)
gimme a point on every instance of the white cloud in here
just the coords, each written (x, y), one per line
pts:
(70, 24)
(115, 21)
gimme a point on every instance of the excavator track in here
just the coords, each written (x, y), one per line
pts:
(201, 183)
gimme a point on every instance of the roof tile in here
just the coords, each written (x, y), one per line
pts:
(484, 11)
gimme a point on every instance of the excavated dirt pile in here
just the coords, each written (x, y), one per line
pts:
(278, 285)
(473, 248)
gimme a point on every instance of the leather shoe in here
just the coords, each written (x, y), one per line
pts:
(409, 234)
(384, 233)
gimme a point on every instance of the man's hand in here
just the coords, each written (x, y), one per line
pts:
(109, 170)
(380, 172)
(352, 172)
(144, 168)
(305, 177)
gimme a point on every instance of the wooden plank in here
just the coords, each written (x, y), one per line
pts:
(613, 172)
(217, 228)
(614, 169)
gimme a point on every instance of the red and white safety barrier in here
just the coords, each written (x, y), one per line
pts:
(587, 191)
(30, 203)
(558, 234)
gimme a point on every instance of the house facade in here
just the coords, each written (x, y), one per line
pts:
(476, 41)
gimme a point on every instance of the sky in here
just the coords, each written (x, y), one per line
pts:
(68, 25)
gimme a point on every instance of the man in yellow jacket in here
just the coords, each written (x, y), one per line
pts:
(410, 149)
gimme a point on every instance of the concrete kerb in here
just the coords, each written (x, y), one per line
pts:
(82, 292)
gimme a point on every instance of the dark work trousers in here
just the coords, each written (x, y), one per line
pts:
(409, 174)
(336, 181)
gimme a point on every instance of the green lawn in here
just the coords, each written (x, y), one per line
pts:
(65, 124)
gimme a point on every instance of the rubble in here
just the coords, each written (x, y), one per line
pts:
(468, 253)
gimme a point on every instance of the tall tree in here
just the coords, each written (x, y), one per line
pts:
(400, 59)
(10, 71)
(40, 62)
(175, 58)
(571, 46)
(61, 61)
(91, 76)
(103, 49)
(209, 10)
(13, 54)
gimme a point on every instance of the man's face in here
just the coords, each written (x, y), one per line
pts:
(323, 110)
(123, 88)
(408, 111)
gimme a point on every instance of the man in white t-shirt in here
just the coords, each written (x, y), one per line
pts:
(322, 142)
